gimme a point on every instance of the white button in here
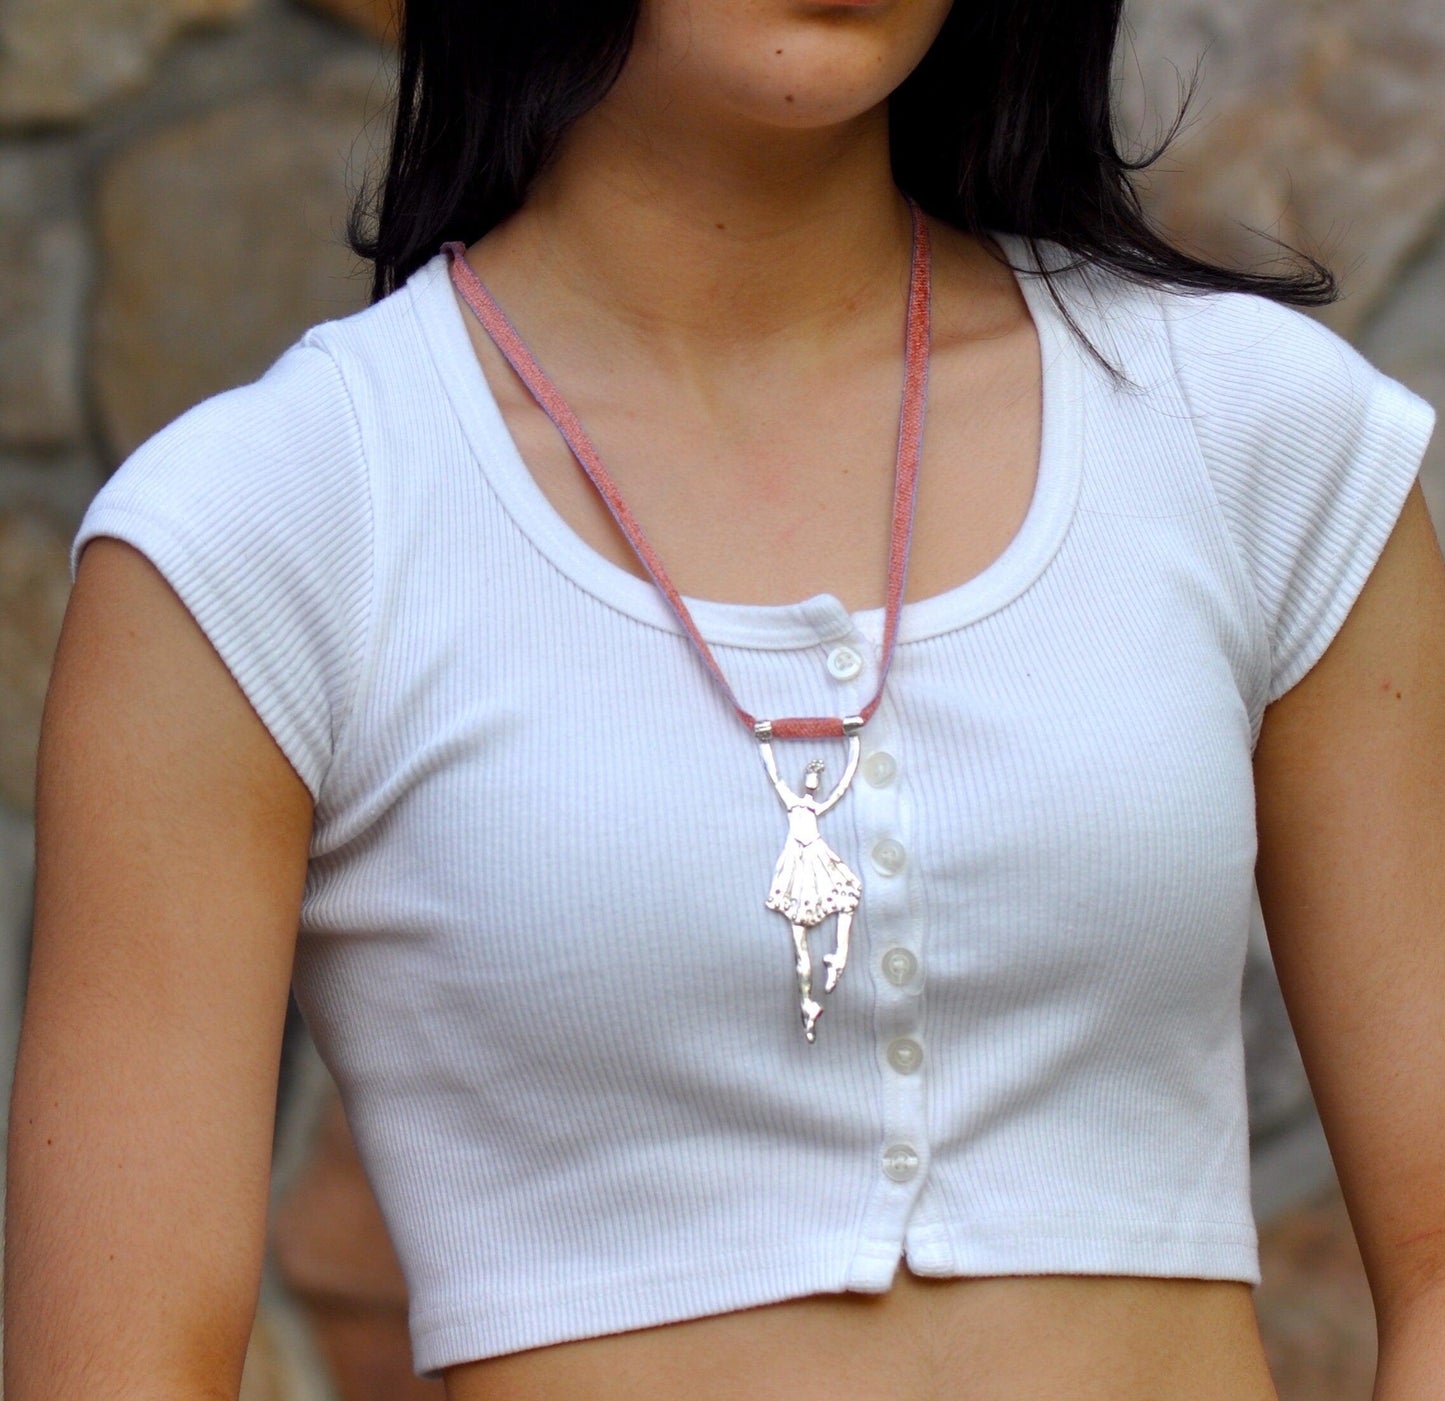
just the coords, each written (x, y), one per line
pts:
(905, 1056)
(900, 1161)
(880, 768)
(888, 856)
(899, 966)
(844, 663)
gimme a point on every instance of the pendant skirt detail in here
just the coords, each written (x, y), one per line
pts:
(811, 882)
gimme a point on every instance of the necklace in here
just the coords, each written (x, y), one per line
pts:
(810, 880)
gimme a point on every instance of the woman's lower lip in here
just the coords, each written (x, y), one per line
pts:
(822, 7)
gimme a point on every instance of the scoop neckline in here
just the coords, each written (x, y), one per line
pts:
(822, 617)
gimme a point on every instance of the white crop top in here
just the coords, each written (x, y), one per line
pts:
(534, 950)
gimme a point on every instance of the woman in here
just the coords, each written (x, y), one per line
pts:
(359, 648)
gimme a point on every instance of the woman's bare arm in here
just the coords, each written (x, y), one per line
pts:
(1350, 772)
(171, 846)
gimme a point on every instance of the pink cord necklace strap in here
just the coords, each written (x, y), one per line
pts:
(910, 440)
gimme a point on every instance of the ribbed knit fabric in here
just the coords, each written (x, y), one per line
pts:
(534, 950)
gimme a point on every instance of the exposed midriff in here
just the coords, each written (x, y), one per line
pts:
(1050, 1338)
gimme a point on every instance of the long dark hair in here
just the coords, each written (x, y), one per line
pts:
(1006, 125)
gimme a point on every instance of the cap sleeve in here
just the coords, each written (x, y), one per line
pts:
(1312, 452)
(255, 507)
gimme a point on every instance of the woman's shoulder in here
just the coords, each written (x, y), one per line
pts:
(384, 353)
(1283, 407)
(264, 462)
(268, 506)
(1203, 334)
(291, 450)
(1261, 382)
(1305, 450)
(1309, 449)
(256, 506)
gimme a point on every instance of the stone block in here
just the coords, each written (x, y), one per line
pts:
(375, 17)
(44, 277)
(59, 61)
(34, 587)
(57, 485)
(221, 240)
(1322, 124)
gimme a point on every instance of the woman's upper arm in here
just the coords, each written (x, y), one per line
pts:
(1350, 777)
(171, 847)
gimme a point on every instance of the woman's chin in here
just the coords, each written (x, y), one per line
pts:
(799, 64)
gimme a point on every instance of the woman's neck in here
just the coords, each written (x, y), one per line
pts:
(700, 243)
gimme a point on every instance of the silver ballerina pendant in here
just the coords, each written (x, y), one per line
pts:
(811, 881)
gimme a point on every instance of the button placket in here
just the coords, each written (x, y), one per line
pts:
(900, 1157)
(886, 838)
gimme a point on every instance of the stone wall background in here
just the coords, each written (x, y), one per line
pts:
(173, 179)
